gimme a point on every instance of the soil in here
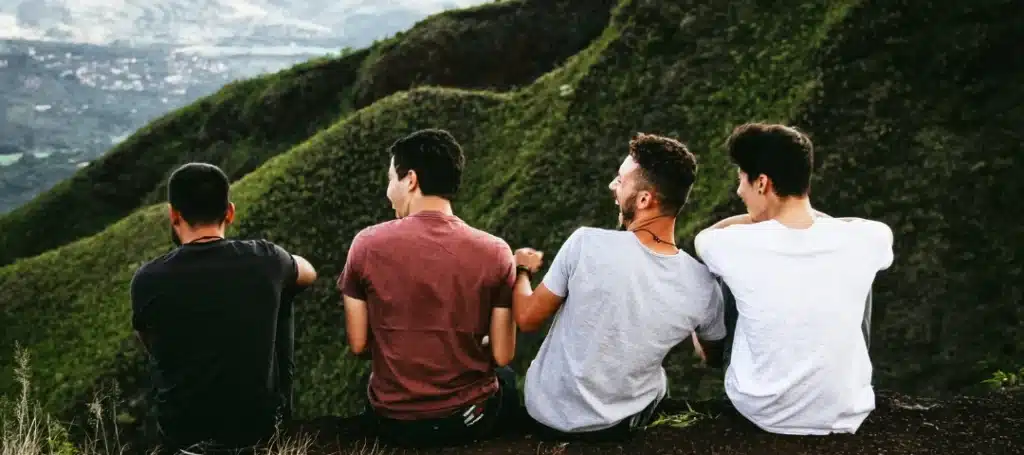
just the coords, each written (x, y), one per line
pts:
(899, 425)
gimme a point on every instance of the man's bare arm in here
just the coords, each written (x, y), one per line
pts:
(532, 308)
(712, 353)
(357, 325)
(735, 219)
(502, 336)
(307, 274)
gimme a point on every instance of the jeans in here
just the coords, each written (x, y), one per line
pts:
(621, 431)
(500, 412)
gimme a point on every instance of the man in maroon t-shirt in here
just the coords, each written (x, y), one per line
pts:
(430, 298)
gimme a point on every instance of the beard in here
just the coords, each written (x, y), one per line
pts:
(627, 211)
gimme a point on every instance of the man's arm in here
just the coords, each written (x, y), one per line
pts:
(353, 289)
(138, 294)
(502, 333)
(532, 308)
(709, 338)
(357, 324)
(735, 219)
(307, 274)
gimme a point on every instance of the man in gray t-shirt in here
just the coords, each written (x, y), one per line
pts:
(621, 300)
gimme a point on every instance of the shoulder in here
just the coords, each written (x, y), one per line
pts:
(258, 247)
(378, 232)
(874, 231)
(488, 240)
(593, 234)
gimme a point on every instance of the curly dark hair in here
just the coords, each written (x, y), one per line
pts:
(782, 153)
(667, 168)
(436, 157)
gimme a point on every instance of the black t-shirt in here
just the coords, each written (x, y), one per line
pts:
(216, 320)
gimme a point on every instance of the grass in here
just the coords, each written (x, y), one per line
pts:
(908, 137)
(26, 429)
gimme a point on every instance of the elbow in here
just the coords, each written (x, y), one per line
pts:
(502, 359)
(527, 325)
(357, 347)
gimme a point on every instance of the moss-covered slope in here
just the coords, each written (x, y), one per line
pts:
(494, 46)
(915, 117)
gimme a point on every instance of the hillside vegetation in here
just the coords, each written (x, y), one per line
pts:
(913, 106)
(245, 123)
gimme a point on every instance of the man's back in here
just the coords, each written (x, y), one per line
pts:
(209, 315)
(430, 282)
(799, 360)
(626, 307)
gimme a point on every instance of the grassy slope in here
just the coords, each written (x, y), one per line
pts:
(247, 122)
(540, 157)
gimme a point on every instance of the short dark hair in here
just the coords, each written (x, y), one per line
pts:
(667, 167)
(436, 157)
(199, 191)
(780, 152)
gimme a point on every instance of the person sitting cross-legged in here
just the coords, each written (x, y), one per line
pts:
(621, 299)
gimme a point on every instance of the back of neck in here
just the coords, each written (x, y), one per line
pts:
(795, 213)
(431, 204)
(202, 234)
(656, 233)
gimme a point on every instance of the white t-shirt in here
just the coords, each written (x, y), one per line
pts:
(625, 307)
(799, 360)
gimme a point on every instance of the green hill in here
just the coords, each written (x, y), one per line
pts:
(914, 110)
(497, 47)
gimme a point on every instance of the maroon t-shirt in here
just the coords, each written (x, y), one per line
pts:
(430, 282)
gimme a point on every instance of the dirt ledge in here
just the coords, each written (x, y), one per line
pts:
(900, 425)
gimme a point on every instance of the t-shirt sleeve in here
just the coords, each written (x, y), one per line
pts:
(287, 268)
(140, 294)
(351, 281)
(506, 277)
(881, 233)
(706, 245)
(713, 326)
(564, 264)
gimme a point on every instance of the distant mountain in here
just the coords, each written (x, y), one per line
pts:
(211, 22)
(78, 76)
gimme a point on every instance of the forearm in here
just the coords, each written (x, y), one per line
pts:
(736, 219)
(522, 296)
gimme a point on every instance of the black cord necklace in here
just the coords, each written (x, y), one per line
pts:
(653, 235)
(214, 237)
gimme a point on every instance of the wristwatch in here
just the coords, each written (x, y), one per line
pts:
(523, 268)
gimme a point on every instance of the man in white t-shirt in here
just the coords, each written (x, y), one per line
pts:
(799, 363)
(621, 299)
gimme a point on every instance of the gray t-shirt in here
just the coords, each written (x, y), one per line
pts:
(625, 307)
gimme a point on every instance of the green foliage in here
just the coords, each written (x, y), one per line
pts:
(1002, 380)
(912, 126)
(496, 46)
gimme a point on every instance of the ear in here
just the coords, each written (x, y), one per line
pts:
(173, 215)
(414, 180)
(763, 184)
(229, 217)
(645, 200)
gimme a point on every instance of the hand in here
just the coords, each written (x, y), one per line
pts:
(699, 349)
(529, 258)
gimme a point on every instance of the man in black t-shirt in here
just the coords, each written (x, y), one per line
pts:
(215, 316)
